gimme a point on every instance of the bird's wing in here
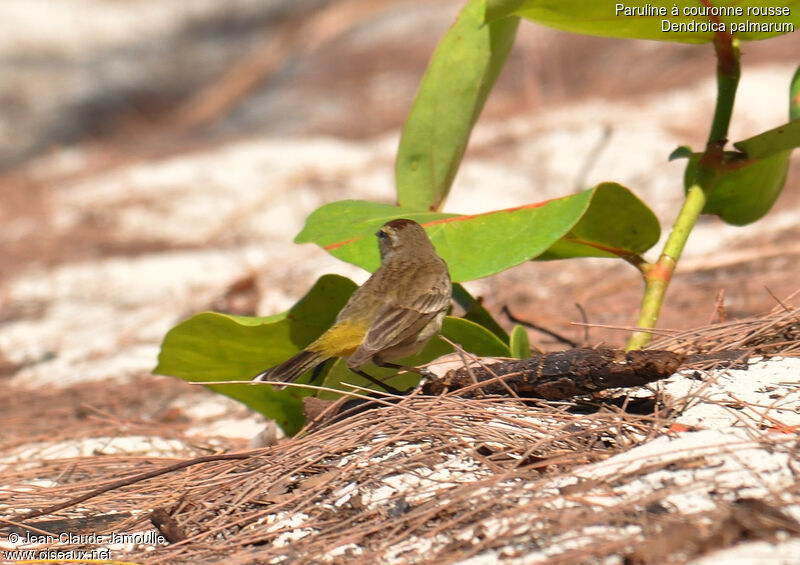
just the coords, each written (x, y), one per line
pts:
(396, 323)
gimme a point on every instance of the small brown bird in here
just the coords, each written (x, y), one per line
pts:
(392, 315)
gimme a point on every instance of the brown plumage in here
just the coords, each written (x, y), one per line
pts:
(392, 315)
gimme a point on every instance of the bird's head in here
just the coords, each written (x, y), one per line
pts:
(399, 235)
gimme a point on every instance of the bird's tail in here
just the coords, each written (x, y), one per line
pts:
(291, 369)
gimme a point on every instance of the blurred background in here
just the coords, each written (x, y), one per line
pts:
(157, 157)
(145, 76)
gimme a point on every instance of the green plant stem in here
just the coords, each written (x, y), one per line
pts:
(657, 277)
(710, 166)
(728, 72)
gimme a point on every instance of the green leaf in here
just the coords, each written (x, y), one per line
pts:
(472, 337)
(520, 344)
(474, 311)
(614, 224)
(746, 193)
(769, 143)
(346, 229)
(219, 347)
(498, 9)
(682, 152)
(609, 19)
(451, 96)
(752, 180)
(605, 221)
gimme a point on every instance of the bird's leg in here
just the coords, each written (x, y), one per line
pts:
(418, 370)
(388, 388)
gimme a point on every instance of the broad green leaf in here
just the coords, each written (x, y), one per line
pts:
(346, 228)
(605, 221)
(771, 142)
(472, 337)
(614, 224)
(744, 194)
(451, 96)
(520, 344)
(640, 19)
(354, 222)
(794, 96)
(219, 347)
(474, 311)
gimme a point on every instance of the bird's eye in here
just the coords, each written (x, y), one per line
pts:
(381, 234)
